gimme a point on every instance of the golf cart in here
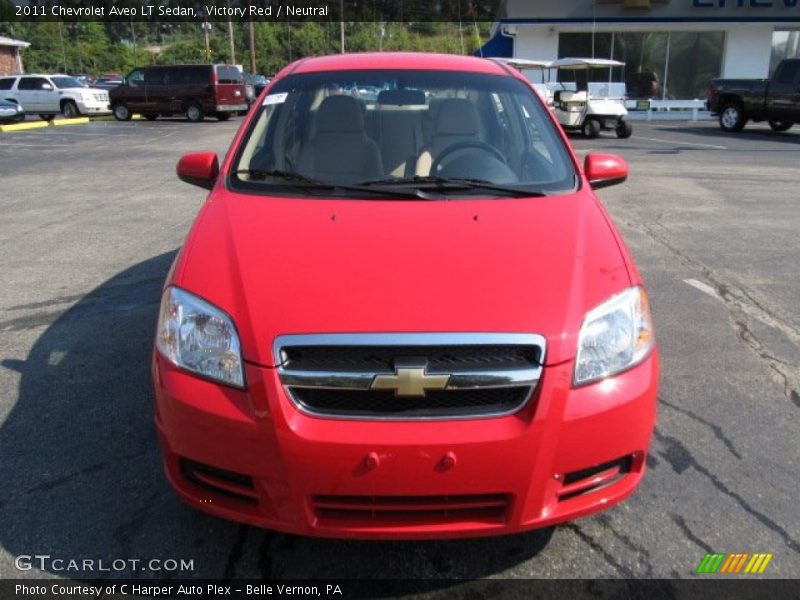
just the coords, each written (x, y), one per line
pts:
(589, 107)
(544, 87)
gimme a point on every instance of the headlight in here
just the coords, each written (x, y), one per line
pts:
(614, 336)
(196, 336)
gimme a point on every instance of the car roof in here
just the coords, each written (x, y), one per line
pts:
(397, 60)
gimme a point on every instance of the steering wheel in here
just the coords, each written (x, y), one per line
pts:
(476, 144)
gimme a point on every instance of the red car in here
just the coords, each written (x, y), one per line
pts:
(406, 316)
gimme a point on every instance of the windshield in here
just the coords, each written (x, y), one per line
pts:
(67, 82)
(412, 128)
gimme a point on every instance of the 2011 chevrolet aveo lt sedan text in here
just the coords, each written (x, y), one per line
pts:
(403, 314)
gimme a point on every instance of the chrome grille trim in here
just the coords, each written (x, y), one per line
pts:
(460, 379)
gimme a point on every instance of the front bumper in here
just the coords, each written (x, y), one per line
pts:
(94, 108)
(264, 463)
(230, 107)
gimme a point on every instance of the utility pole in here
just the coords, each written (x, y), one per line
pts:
(230, 36)
(341, 22)
(251, 30)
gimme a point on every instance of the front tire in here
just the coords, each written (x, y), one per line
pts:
(121, 112)
(591, 128)
(194, 112)
(69, 110)
(731, 117)
(780, 126)
(624, 129)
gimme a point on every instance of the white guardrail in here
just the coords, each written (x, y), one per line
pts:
(675, 108)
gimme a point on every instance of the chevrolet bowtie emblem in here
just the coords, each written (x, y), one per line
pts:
(410, 379)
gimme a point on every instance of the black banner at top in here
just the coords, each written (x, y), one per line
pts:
(247, 10)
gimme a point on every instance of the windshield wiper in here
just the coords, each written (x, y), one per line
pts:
(453, 183)
(310, 183)
(259, 174)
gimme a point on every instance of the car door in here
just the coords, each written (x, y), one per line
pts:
(784, 92)
(156, 91)
(133, 91)
(29, 94)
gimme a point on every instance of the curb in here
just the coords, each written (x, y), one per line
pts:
(75, 121)
(54, 123)
(24, 126)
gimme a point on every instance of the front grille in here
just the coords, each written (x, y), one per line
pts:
(410, 510)
(410, 376)
(381, 358)
(444, 403)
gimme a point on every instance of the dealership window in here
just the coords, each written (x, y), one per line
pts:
(670, 64)
(785, 44)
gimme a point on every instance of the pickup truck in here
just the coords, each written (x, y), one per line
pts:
(776, 100)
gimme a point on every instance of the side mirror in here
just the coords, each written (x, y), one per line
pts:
(604, 170)
(199, 168)
(48, 87)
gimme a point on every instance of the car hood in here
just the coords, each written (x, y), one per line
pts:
(299, 265)
(82, 89)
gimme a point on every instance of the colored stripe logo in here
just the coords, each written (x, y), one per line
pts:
(736, 563)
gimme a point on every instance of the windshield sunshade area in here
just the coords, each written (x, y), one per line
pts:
(440, 133)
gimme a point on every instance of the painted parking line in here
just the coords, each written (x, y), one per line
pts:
(749, 309)
(703, 287)
(677, 143)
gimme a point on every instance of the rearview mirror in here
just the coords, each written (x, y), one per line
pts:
(199, 168)
(604, 170)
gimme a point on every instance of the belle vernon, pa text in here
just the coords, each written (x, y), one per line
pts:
(128, 589)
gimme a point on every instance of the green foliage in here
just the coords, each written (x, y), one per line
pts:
(96, 48)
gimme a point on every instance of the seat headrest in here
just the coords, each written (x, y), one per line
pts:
(341, 114)
(457, 116)
(402, 97)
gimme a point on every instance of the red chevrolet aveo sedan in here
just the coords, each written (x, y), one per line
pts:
(403, 313)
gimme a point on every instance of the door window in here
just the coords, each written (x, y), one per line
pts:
(135, 78)
(32, 83)
(790, 72)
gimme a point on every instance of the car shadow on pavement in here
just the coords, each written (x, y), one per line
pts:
(82, 475)
(720, 137)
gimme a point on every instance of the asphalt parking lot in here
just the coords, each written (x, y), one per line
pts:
(92, 216)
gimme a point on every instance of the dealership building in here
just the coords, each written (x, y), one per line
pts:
(671, 48)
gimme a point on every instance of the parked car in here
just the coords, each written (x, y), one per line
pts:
(191, 90)
(374, 332)
(254, 85)
(776, 100)
(11, 112)
(107, 84)
(51, 95)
